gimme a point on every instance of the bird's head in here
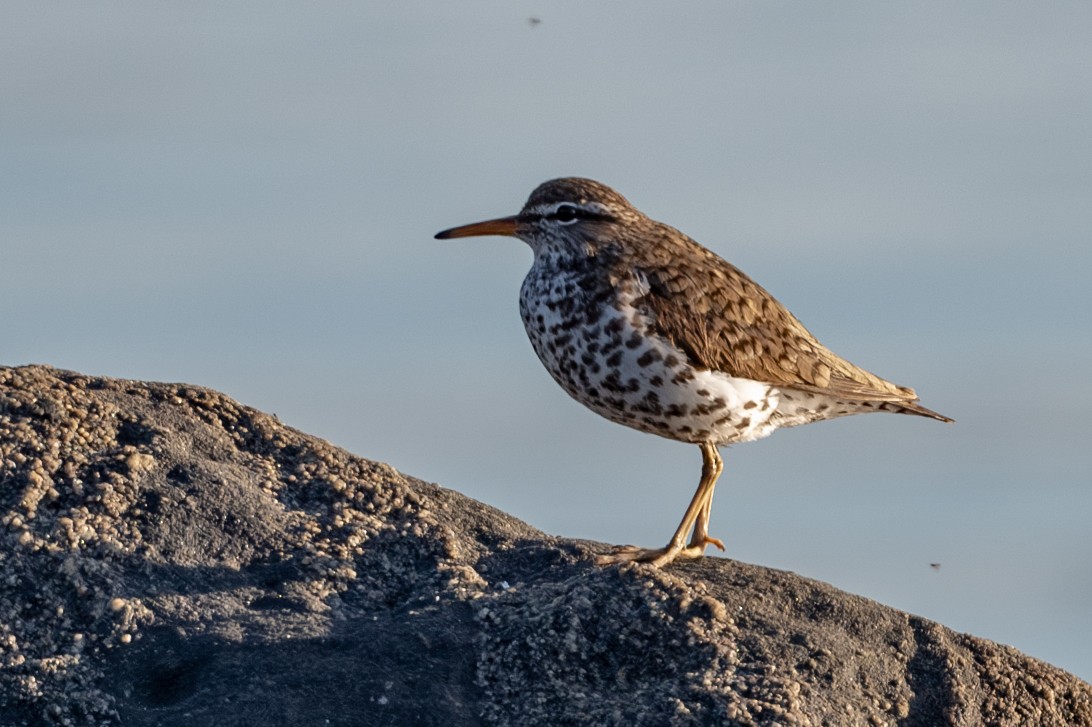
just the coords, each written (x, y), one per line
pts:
(571, 215)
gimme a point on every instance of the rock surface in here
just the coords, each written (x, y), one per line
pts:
(170, 557)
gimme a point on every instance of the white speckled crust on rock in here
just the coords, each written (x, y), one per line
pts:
(171, 557)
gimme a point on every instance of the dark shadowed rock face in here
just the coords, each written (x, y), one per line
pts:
(170, 557)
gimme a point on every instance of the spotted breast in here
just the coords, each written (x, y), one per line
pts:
(587, 325)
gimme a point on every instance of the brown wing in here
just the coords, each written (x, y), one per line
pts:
(725, 321)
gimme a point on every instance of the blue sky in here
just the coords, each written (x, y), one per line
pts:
(243, 196)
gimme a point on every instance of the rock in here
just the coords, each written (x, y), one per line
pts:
(171, 557)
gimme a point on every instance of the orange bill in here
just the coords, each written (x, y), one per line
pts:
(501, 226)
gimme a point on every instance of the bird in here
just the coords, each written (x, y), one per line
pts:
(649, 329)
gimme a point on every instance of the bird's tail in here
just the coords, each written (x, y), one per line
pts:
(912, 407)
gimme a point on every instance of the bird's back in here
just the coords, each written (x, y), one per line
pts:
(724, 321)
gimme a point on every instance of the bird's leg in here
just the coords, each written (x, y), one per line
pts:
(696, 512)
(712, 466)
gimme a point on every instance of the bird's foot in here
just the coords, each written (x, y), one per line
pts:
(704, 540)
(656, 557)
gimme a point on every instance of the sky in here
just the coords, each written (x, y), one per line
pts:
(243, 196)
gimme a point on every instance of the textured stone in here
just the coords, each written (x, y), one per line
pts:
(169, 556)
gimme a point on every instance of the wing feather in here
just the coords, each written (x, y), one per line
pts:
(722, 320)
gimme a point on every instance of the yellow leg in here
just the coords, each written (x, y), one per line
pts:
(710, 461)
(696, 517)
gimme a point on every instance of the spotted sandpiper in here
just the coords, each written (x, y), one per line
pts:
(649, 329)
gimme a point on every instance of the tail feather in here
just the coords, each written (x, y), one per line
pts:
(900, 399)
(912, 407)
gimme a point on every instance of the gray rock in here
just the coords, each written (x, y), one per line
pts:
(172, 557)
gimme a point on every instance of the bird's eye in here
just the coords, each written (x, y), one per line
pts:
(565, 214)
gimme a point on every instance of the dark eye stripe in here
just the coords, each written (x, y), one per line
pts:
(567, 213)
